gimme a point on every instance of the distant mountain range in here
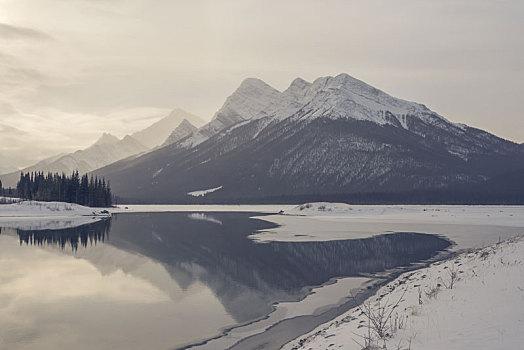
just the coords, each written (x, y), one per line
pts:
(156, 134)
(109, 149)
(337, 138)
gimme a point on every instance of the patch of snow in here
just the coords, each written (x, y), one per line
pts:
(202, 193)
(156, 173)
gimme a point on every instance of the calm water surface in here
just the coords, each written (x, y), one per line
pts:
(165, 280)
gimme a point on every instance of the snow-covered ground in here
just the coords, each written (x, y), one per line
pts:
(464, 214)
(45, 209)
(467, 226)
(472, 301)
(36, 215)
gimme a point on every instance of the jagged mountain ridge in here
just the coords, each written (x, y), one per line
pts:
(106, 150)
(336, 135)
(334, 97)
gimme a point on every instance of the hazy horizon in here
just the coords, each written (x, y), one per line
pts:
(73, 70)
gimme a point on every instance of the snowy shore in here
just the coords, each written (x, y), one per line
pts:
(467, 226)
(44, 209)
(48, 215)
(472, 301)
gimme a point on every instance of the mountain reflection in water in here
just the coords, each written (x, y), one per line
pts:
(247, 277)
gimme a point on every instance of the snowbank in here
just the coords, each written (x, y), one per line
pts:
(320, 208)
(46, 209)
(472, 301)
(34, 215)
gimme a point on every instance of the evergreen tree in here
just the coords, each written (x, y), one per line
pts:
(59, 187)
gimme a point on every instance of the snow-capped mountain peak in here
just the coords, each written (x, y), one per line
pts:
(298, 88)
(341, 96)
(251, 100)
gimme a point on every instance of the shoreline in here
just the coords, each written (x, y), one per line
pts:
(345, 330)
(277, 335)
(280, 332)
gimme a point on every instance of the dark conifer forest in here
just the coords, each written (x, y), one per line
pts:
(92, 192)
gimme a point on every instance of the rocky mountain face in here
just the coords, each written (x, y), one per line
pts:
(337, 137)
(184, 129)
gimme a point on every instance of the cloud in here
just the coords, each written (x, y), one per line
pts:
(8, 31)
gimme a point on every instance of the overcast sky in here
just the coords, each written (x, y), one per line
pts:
(72, 69)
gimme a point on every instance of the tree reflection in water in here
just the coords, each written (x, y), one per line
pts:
(89, 234)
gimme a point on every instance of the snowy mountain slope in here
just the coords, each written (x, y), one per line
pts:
(157, 133)
(253, 99)
(334, 136)
(334, 97)
(106, 150)
(184, 129)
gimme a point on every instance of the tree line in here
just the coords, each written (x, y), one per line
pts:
(92, 192)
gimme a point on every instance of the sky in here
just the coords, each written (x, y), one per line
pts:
(73, 69)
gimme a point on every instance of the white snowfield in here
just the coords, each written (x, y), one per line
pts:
(474, 214)
(202, 193)
(37, 215)
(472, 301)
(467, 226)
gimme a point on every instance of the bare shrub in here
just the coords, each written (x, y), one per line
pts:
(453, 277)
(380, 323)
(432, 292)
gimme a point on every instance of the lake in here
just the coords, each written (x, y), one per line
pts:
(169, 280)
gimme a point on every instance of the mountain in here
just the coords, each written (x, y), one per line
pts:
(106, 150)
(157, 133)
(336, 138)
(184, 129)
(107, 139)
